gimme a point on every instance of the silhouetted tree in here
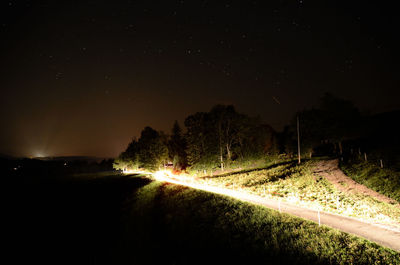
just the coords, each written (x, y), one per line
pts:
(129, 159)
(200, 139)
(223, 135)
(177, 147)
(226, 121)
(343, 119)
(334, 121)
(153, 151)
(213, 140)
(149, 152)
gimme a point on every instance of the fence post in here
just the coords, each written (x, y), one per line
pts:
(381, 164)
(319, 218)
(298, 140)
(365, 156)
(337, 203)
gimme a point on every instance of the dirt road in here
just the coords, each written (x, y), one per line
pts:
(330, 170)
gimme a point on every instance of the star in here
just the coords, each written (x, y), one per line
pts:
(59, 75)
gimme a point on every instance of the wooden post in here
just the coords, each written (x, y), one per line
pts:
(319, 219)
(337, 203)
(381, 164)
(298, 139)
(365, 156)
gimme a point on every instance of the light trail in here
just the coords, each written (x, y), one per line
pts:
(184, 180)
(281, 205)
(131, 171)
(168, 176)
(385, 236)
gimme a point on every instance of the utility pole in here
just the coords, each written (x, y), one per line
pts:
(298, 138)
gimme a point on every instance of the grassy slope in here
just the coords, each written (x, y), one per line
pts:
(298, 184)
(123, 220)
(382, 180)
(186, 226)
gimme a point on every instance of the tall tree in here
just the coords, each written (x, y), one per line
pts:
(334, 121)
(227, 127)
(129, 159)
(217, 137)
(153, 150)
(342, 118)
(200, 139)
(177, 147)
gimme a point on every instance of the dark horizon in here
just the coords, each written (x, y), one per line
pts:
(99, 157)
(82, 79)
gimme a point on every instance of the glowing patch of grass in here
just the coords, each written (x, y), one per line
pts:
(190, 226)
(299, 185)
(382, 180)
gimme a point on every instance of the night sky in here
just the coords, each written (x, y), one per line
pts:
(84, 77)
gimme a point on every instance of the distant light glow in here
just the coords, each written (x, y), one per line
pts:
(39, 155)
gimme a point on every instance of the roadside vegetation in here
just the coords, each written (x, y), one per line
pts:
(229, 149)
(132, 220)
(300, 185)
(187, 226)
(220, 139)
(383, 180)
(135, 221)
(223, 139)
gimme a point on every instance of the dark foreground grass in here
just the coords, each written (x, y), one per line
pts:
(187, 226)
(382, 180)
(125, 220)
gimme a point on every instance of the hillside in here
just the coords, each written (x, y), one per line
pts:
(307, 185)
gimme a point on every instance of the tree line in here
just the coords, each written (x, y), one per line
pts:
(337, 128)
(211, 140)
(222, 137)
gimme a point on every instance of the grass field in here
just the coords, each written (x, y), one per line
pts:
(298, 184)
(97, 219)
(382, 180)
(192, 226)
